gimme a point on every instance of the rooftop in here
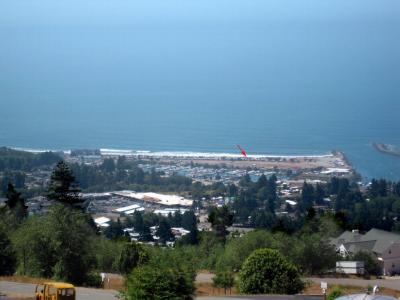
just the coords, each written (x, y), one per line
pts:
(374, 240)
(167, 200)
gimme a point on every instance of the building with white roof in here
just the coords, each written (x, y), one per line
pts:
(336, 171)
(102, 221)
(291, 202)
(127, 208)
(165, 212)
(129, 212)
(161, 199)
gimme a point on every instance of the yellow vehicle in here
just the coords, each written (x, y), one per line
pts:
(55, 291)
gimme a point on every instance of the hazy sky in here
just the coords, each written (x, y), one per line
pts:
(100, 13)
(79, 62)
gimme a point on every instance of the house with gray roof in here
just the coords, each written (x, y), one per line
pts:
(383, 244)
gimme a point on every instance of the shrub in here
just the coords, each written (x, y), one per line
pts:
(371, 264)
(93, 279)
(224, 279)
(335, 293)
(266, 271)
(150, 282)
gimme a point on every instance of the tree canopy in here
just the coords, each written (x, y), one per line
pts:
(149, 282)
(266, 271)
(8, 258)
(62, 187)
(56, 245)
(16, 203)
(220, 219)
(131, 256)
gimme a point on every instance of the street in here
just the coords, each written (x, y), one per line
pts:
(23, 290)
(387, 283)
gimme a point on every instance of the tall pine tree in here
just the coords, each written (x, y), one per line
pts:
(63, 188)
(16, 203)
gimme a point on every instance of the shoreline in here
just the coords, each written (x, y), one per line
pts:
(183, 154)
(334, 163)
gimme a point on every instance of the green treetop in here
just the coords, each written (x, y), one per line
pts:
(266, 271)
(63, 188)
(15, 202)
(220, 219)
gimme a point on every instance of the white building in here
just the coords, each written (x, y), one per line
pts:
(350, 267)
(102, 221)
(166, 211)
(161, 199)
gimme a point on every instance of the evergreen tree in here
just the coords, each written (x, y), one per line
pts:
(263, 219)
(5, 180)
(262, 182)
(189, 222)
(19, 179)
(176, 219)
(164, 231)
(63, 188)
(272, 188)
(108, 165)
(382, 188)
(131, 256)
(232, 190)
(121, 163)
(138, 223)
(245, 181)
(334, 186)
(396, 189)
(220, 219)
(7, 255)
(114, 231)
(16, 203)
(319, 194)
(307, 196)
(344, 188)
(139, 176)
(141, 227)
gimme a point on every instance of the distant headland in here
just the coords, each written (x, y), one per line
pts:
(387, 149)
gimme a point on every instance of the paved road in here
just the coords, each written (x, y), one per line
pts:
(266, 297)
(28, 290)
(388, 283)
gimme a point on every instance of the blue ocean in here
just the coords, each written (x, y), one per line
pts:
(276, 77)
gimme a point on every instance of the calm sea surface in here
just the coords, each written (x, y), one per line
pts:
(277, 77)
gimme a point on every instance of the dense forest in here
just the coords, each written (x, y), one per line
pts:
(15, 160)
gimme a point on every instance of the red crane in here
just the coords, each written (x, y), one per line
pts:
(242, 151)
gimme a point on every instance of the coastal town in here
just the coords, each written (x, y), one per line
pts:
(167, 201)
(199, 150)
(206, 168)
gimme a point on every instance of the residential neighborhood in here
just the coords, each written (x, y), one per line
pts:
(383, 244)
